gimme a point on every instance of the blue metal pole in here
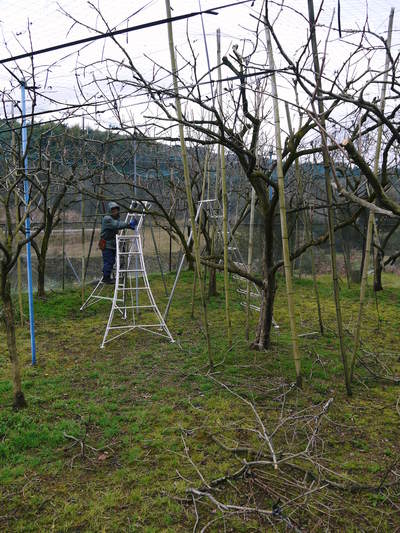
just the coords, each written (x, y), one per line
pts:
(134, 195)
(28, 228)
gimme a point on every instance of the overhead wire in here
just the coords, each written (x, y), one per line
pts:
(186, 16)
(262, 73)
(86, 40)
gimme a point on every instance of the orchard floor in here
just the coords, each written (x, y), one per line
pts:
(142, 436)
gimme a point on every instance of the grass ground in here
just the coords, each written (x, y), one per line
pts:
(114, 440)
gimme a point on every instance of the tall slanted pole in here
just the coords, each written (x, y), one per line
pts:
(134, 194)
(224, 205)
(170, 227)
(371, 217)
(63, 247)
(250, 259)
(187, 181)
(28, 226)
(326, 161)
(83, 257)
(282, 212)
(203, 188)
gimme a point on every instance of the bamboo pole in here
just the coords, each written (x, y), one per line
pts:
(83, 248)
(371, 217)
(308, 222)
(203, 188)
(299, 187)
(212, 275)
(326, 162)
(250, 259)
(187, 181)
(226, 242)
(83, 227)
(224, 205)
(153, 237)
(282, 212)
(170, 227)
(63, 247)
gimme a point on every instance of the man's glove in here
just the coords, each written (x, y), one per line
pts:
(133, 223)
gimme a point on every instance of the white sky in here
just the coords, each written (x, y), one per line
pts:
(55, 72)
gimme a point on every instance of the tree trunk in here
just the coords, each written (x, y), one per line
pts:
(9, 322)
(364, 240)
(212, 283)
(41, 254)
(346, 255)
(378, 268)
(41, 292)
(263, 332)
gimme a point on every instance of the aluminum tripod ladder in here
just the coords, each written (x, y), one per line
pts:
(133, 305)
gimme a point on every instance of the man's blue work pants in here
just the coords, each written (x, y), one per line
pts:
(108, 261)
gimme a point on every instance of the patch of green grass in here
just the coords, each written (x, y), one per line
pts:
(103, 438)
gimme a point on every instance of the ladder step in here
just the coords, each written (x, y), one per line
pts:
(252, 306)
(132, 270)
(133, 289)
(159, 325)
(129, 253)
(244, 291)
(122, 307)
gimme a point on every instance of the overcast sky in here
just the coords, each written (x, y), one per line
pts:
(49, 26)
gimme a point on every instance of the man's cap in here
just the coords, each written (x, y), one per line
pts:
(112, 205)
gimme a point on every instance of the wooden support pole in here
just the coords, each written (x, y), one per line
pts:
(371, 217)
(326, 161)
(187, 183)
(224, 206)
(282, 212)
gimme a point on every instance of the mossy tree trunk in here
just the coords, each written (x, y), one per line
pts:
(9, 322)
(41, 254)
(263, 332)
(378, 269)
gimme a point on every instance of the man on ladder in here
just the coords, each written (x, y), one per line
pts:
(110, 226)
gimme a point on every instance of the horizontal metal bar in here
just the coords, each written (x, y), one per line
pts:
(128, 270)
(133, 289)
(252, 306)
(159, 325)
(136, 307)
(244, 291)
(129, 253)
